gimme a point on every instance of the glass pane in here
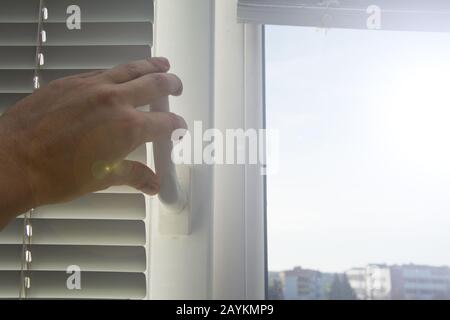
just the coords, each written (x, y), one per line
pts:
(360, 205)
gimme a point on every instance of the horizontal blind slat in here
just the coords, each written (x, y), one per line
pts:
(88, 258)
(97, 206)
(95, 285)
(18, 11)
(78, 232)
(94, 34)
(76, 57)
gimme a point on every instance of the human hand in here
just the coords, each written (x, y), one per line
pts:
(71, 137)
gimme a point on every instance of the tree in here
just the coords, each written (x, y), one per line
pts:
(341, 289)
(275, 291)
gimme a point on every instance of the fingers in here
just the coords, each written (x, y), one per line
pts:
(129, 71)
(88, 74)
(159, 124)
(135, 175)
(150, 127)
(136, 69)
(144, 81)
(148, 88)
(84, 75)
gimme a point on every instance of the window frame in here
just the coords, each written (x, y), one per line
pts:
(397, 15)
(224, 256)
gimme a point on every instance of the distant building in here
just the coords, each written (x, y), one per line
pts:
(415, 282)
(372, 282)
(304, 284)
(410, 282)
(357, 279)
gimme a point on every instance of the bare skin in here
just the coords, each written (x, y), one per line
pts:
(71, 137)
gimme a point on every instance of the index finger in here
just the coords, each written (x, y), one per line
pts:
(146, 89)
(133, 70)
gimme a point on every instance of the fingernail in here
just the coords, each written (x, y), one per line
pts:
(182, 123)
(179, 91)
(162, 62)
(151, 189)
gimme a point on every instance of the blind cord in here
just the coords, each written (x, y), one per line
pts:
(27, 233)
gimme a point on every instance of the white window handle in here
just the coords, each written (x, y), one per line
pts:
(175, 209)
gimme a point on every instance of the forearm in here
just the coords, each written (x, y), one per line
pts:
(15, 193)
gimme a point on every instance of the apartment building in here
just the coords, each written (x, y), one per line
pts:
(418, 282)
(400, 282)
(305, 284)
(372, 282)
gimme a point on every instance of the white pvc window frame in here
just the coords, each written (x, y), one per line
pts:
(221, 64)
(239, 229)
(393, 15)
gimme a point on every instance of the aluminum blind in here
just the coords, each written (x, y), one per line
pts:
(402, 15)
(102, 233)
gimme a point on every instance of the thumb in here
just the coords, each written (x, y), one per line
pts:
(135, 175)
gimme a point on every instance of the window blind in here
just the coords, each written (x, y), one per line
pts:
(402, 15)
(103, 233)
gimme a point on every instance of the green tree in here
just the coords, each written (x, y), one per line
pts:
(341, 289)
(275, 291)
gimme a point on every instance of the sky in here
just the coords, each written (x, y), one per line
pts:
(364, 165)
